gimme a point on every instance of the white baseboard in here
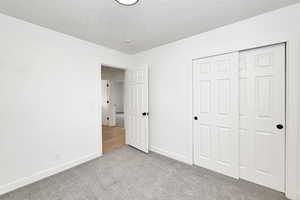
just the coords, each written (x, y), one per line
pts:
(172, 155)
(45, 173)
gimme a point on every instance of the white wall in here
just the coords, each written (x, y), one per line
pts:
(117, 95)
(171, 73)
(49, 104)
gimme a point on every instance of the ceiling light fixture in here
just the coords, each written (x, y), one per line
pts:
(127, 2)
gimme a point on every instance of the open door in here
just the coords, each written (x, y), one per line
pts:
(136, 108)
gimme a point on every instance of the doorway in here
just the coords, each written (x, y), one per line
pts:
(113, 129)
(239, 115)
(125, 114)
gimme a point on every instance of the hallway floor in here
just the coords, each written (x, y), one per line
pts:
(112, 138)
(128, 174)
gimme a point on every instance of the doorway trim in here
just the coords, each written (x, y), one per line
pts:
(292, 105)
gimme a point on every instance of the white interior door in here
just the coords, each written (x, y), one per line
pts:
(105, 105)
(215, 107)
(136, 108)
(262, 116)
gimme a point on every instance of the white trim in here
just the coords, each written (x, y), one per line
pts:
(191, 112)
(292, 109)
(298, 196)
(100, 145)
(172, 155)
(292, 102)
(46, 173)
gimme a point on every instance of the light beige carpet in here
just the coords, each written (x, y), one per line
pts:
(128, 174)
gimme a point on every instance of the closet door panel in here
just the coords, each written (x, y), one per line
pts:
(262, 108)
(215, 104)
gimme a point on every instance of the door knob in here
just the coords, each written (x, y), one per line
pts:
(279, 126)
(144, 113)
(195, 118)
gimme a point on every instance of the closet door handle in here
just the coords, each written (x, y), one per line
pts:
(195, 118)
(279, 126)
(144, 113)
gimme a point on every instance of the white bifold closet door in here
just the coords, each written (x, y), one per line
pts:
(262, 116)
(215, 107)
(136, 108)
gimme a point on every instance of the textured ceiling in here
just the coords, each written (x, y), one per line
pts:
(148, 24)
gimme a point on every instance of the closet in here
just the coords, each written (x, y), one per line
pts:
(239, 115)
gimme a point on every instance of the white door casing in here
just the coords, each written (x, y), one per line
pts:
(136, 108)
(215, 104)
(262, 107)
(105, 105)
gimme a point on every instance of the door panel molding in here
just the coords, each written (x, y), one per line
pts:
(136, 108)
(215, 103)
(262, 106)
